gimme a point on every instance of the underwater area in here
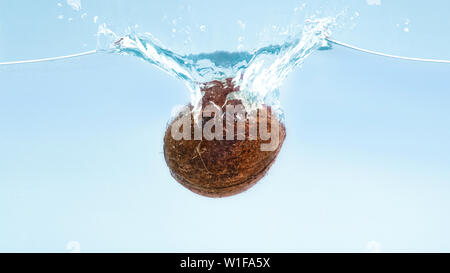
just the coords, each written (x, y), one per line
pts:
(364, 167)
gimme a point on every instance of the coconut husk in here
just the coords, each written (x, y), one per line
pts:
(220, 168)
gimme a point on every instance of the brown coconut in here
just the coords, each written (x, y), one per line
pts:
(220, 168)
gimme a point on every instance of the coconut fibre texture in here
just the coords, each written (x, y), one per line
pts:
(220, 168)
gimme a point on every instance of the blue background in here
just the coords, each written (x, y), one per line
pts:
(365, 166)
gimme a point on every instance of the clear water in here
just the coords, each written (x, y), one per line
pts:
(364, 166)
(259, 73)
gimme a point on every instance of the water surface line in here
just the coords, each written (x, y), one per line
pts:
(372, 52)
(90, 52)
(385, 54)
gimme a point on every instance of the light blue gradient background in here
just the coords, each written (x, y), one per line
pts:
(366, 158)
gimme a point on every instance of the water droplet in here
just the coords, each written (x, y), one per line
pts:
(74, 4)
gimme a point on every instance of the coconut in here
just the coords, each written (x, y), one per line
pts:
(220, 168)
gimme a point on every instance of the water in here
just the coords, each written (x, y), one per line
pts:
(258, 74)
(365, 160)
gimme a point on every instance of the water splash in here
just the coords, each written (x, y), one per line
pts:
(258, 74)
(270, 66)
(74, 4)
